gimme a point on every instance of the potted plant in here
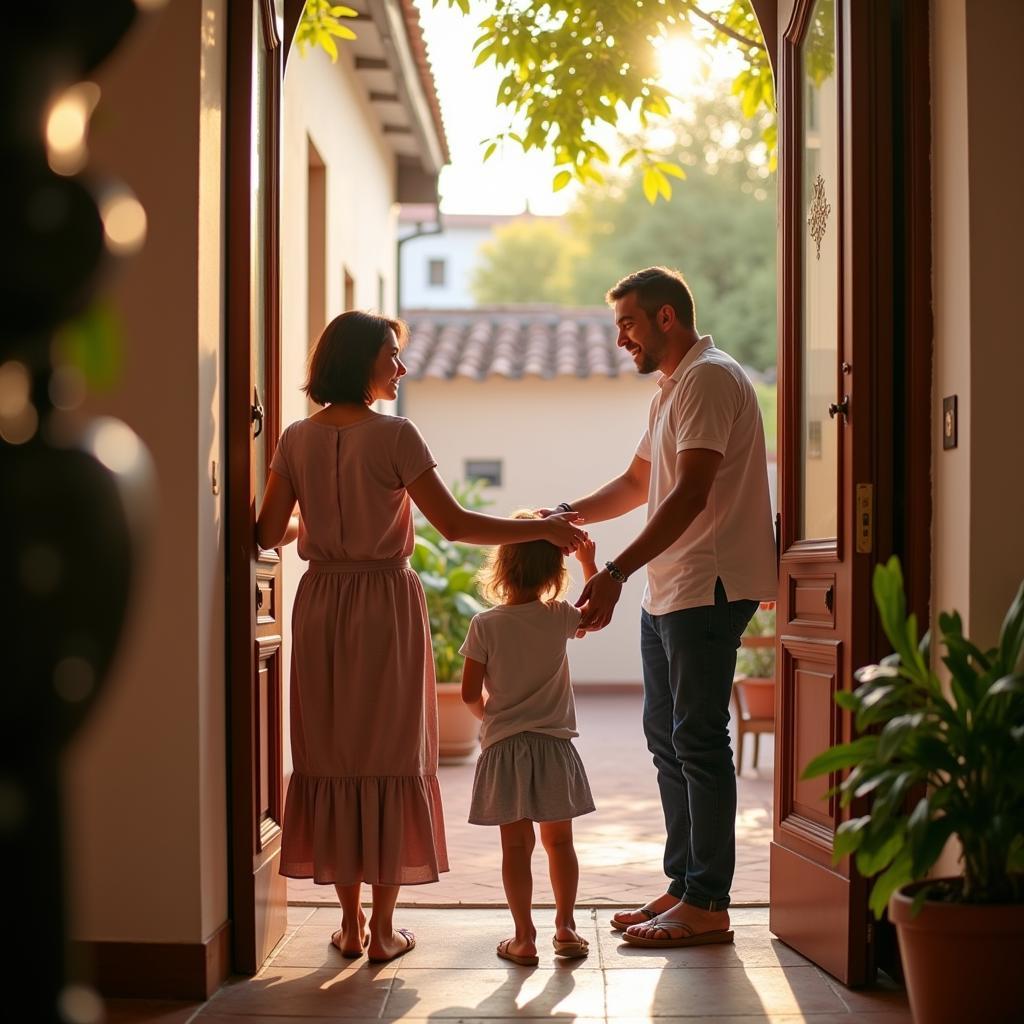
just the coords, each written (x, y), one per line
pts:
(448, 571)
(959, 748)
(753, 688)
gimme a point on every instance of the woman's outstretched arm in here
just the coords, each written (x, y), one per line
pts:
(454, 522)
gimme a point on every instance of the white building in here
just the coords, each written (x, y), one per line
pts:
(437, 258)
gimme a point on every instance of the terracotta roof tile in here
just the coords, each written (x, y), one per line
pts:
(513, 342)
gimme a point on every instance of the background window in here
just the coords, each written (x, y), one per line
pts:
(484, 469)
(435, 273)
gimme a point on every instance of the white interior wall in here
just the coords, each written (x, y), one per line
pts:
(146, 779)
(978, 491)
(978, 487)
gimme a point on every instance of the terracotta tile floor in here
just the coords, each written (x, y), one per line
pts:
(619, 846)
(453, 974)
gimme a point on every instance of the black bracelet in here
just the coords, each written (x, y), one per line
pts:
(564, 506)
(615, 572)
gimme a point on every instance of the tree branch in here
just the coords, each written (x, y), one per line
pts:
(718, 26)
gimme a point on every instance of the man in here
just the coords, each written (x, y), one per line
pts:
(710, 554)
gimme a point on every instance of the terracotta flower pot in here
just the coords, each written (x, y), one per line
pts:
(962, 961)
(458, 729)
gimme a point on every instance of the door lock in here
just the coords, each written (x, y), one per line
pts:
(259, 597)
(839, 408)
(830, 597)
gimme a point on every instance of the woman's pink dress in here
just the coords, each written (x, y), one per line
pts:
(363, 804)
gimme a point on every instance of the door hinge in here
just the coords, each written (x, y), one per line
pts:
(865, 518)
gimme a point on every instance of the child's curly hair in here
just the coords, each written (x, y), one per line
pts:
(534, 566)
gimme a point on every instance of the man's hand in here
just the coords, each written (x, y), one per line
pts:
(598, 601)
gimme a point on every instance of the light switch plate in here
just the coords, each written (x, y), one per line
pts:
(949, 424)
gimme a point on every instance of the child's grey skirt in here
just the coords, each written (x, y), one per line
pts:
(529, 775)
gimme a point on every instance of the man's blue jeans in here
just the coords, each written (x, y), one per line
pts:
(689, 658)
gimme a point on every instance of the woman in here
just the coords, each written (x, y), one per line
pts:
(363, 804)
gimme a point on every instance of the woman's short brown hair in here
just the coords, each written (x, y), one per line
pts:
(341, 366)
(534, 566)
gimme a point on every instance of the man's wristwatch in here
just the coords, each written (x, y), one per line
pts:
(615, 572)
(564, 506)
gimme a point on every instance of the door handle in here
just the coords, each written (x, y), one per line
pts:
(256, 413)
(839, 408)
(830, 597)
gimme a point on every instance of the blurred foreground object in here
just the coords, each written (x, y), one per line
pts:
(75, 493)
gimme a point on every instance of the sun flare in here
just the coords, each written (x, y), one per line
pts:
(686, 67)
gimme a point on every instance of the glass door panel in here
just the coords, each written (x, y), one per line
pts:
(820, 319)
(259, 210)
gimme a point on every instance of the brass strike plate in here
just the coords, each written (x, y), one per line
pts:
(865, 518)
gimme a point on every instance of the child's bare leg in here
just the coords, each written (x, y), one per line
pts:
(385, 942)
(350, 937)
(517, 843)
(564, 871)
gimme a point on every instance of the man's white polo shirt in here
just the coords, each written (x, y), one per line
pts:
(708, 402)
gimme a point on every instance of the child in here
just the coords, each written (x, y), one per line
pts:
(528, 769)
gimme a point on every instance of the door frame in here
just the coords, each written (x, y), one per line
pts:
(886, 184)
(255, 677)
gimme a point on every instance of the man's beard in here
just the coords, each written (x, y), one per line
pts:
(647, 363)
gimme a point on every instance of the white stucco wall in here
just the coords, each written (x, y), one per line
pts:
(558, 440)
(146, 835)
(324, 103)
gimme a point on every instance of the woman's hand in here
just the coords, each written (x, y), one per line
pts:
(561, 531)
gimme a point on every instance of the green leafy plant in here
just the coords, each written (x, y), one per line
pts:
(568, 68)
(448, 571)
(963, 745)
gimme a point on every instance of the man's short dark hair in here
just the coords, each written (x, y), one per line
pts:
(656, 287)
(341, 366)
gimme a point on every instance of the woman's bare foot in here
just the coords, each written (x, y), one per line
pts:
(387, 947)
(624, 919)
(350, 939)
(696, 922)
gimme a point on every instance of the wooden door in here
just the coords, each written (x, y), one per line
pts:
(835, 450)
(258, 891)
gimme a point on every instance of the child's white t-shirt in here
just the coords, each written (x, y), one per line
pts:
(526, 670)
